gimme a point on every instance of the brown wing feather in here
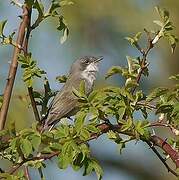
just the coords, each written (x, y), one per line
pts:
(64, 103)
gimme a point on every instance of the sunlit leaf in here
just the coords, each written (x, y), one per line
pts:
(2, 25)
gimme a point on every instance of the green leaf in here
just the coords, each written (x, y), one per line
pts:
(30, 69)
(79, 120)
(98, 169)
(134, 40)
(121, 112)
(88, 167)
(131, 83)
(137, 36)
(25, 147)
(40, 8)
(164, 14)
(35, 163)
(158, 23)
(139, 128)
(63, 27)
(35, 141)
(36, 94)
(164, 108)
(66, 2)
(55, 146)
(2, 25)
(144, 112)
(113, 70)
(121, 146)
(78, 162)
(131, 40)
(76, 93)
(126, 124)
(82, 87)
(92, 96)
(62, 79)
(13, 143)
(92, 165)
(92, 128)
(84, 134)
(157, 93)
(114, 136)
(54, 6)
(3, 132)
(66, 155)
(172, 39)
(174, 77)
(61, 132)
(65, 35)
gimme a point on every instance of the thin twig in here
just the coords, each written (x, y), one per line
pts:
(144, 53)
(17, 3)
(25, 47)
(12, 70)
(149, 106)
(162, 159)
(26, 172)
(160, 124)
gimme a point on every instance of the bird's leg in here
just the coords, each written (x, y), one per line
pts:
(68, 117)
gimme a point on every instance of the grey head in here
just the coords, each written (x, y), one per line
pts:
(86, 64)
(86, 68)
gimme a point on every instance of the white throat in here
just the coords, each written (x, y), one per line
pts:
(89, 74)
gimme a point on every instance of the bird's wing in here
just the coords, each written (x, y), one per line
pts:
(63, 105)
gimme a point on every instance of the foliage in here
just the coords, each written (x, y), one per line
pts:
(68, 142)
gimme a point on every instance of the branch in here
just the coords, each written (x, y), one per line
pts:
(174, 155)
(166, 125)
(147, 105)
(25, 47)
(17, 3)
(42, 157)
(26, 172)
(12, 70)
(104, 128)
(144, 53)
(162, 159)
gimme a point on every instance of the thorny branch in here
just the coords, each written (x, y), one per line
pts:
(162, 159)
(155, 140)
(104, 128)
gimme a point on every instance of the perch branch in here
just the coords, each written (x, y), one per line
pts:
(152, 142)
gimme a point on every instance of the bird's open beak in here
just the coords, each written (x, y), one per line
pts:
(99, 59)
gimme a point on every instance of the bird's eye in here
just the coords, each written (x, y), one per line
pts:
(86, 61)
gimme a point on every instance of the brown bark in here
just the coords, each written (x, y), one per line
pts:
(13, 69)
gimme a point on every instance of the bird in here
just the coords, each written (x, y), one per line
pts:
(65, 103)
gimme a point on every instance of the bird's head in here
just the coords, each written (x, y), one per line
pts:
(86, 64)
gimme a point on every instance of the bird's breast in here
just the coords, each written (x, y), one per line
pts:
(89, 78)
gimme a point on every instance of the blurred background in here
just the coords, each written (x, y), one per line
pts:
(96, 28)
